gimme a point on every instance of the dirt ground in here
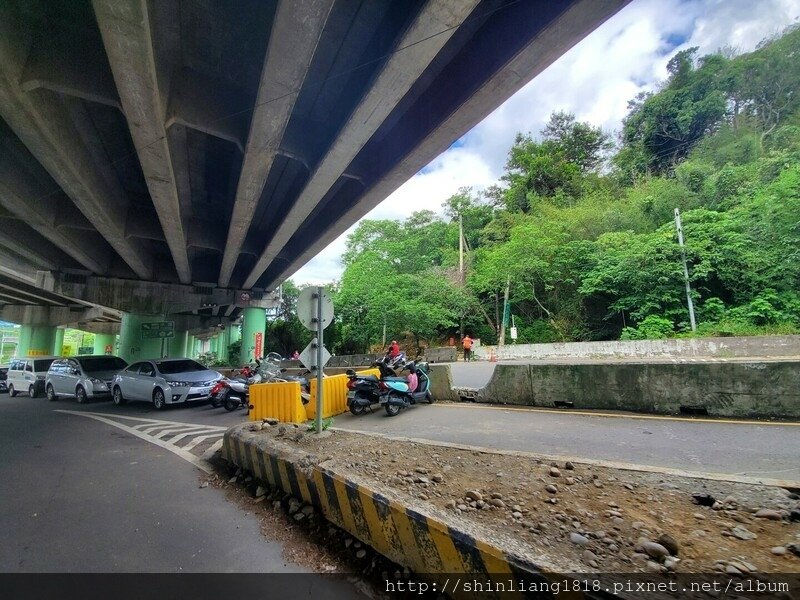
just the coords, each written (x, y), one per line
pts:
(573, 517)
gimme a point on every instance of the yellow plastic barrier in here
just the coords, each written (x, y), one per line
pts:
(278, 401)
(334, 399)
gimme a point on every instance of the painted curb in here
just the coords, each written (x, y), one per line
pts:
(402, 534)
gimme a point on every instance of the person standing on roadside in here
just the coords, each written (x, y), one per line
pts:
(467, 343)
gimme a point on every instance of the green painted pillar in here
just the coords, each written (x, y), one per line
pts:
(36, 340)
(104, 343)
(254, 324)
(190, 340)
(222, 344)
(58, 344)
(235, 332)
(132, 346)
(177, 344)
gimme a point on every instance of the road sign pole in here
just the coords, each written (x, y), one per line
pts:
(318, 419)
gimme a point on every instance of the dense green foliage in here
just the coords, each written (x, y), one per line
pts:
(586, 236)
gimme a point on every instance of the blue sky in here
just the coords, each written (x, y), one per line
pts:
(595, 79)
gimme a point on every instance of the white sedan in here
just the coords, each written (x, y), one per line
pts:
(164, 381)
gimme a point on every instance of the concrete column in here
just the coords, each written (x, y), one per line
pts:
(222, 344)
(104, 343)
(36, 340)
(58, 344)
(132, 346)
(254, 322)
(190, 346)
(235, 332)
(177, 345)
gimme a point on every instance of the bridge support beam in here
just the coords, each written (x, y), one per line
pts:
(177, 345)
(37, 340)
(254, 323)
(58, 343)
(104, 343)
(132, 346)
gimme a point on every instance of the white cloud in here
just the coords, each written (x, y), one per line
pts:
(594, 80)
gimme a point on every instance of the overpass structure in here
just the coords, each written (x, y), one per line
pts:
(179, 159)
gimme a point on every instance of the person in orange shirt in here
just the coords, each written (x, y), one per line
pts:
(467, 343)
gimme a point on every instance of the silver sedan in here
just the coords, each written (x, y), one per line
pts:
(164, 381)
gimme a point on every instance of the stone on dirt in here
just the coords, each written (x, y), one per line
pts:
(577, 538)
(260, 491)
(554, 472)
(669, 542)
(569, 466)
(779, 550)
(655, 550)
(743, 533)
(768, 513)
(497, 502)
(551, 488)
(474, 495)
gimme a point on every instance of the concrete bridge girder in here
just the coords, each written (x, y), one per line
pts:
(175, 143)
(151, 298)
(541, 51)
(49, 316)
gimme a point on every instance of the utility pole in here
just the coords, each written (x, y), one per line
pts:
(461, 267)
(502, 340)
(460, 249)
(689, 302)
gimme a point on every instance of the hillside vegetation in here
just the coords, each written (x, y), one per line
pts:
(582, 226)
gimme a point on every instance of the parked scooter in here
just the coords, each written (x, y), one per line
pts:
(364, 390)
(396, 395)
(233, 393)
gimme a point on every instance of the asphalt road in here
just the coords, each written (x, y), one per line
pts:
(745, 448)
(79, 495)
(705, 446)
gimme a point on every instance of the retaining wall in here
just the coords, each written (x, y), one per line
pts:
(721, 347)
(725, 389)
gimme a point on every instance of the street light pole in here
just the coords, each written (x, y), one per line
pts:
(689, 302)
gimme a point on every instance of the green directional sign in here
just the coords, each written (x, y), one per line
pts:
(158, 330)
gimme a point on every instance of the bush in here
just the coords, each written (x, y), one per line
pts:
(652, 327)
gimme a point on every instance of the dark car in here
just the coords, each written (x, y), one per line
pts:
(3, 380)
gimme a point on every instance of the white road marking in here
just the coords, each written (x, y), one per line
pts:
(209, 431)
(178, 438)
(198, 440)
(173, 430)
(212, 450)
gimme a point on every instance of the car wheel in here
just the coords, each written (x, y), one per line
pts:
(51, 393)
(32, 391)
(80, 394)
(391, 409)
(429, 397)
(158, 399)
(11, 391)
(117, 396)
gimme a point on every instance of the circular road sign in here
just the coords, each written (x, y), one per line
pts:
(307, 308)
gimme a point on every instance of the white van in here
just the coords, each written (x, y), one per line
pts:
(28, 375)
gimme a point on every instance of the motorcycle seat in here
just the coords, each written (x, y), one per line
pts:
(367, 378)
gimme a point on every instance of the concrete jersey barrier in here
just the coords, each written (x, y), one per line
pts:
(724, 389)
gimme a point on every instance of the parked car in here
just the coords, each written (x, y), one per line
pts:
(3, 379)
(28, 375)
(164, 381)
(82, 376)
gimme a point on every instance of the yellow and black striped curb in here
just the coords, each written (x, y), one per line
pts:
(402, 534)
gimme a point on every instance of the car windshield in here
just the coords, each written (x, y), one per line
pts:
(170, 367)
(42, 365)
(95, 364)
